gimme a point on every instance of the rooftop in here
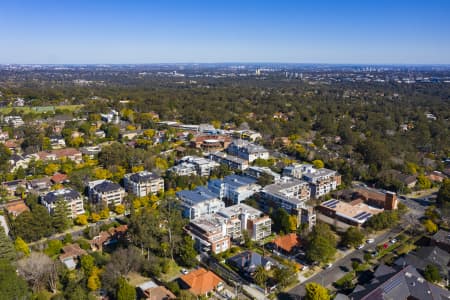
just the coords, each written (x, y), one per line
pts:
(103, 186)
(201, 281)
(357, 212)
(63, 194)
(236, 210)
(143, 176)
(209, 223)
(198, 195)
(287, 242)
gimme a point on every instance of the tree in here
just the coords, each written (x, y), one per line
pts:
(39, 271)
(430, 226)
(443, 196)
(94, 280)
(423, 182)
(61, 216)
(187, 253)
(81, 220)
(260, 275)
(321, 243)
(281, 221)
(318, 164)
(315, 291)
(7, 251)
(431, 273)
(21, 246)
(53, 248)
(104, 213)
(119, 209)
(11, 285)
(95, 217)
(284, 276)
(125, 291)
(87, 264)
(353, 237)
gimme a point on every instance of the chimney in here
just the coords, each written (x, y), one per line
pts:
(390, 201)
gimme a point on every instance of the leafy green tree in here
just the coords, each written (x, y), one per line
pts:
(21, 246)
(87, 264)
(7, 251)
(187, 252)
(432, 274)
(284, 276)
(353, 237)
(261, 275)
(34, 225)
(443, 196)
(318, 164)
(315, 291)
(53, 248)
(281, 222)
(125, 291)
(321, 243)
(61, 216)
(12, 286)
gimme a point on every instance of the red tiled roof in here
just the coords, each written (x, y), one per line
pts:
(58, 178)
(287, 242)
(16, 207)
(201, 281)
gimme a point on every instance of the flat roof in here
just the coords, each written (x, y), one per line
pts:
(237, 209)
(359, 212)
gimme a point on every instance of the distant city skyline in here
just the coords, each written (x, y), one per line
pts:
(175, 31)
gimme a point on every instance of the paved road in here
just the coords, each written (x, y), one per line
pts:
(339, 268)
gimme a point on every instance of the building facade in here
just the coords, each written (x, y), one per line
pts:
(143, 183)
(199, 202)
(106, 193)
(72, 198)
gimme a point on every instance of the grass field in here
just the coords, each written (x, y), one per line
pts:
(39, 109)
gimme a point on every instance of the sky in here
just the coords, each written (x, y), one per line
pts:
(176, 31)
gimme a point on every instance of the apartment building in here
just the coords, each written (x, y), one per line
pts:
(233, 162)
(290, 194)
(234, 188)
(297, 170)
(247, 150)
(322, 181)
(257, 172)
(143, 183)
(242, 217)
(202, 165)
(71, 197)
(105, 192)
(210, 233)
(199, 202)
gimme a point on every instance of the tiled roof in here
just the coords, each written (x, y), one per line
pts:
(201, 281)
(287, 242)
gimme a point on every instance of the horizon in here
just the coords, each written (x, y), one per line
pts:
(181, 32)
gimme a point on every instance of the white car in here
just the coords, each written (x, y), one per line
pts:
(370, 241)
(184, 271)
(360, 246)
(393, 241)
(327, 266)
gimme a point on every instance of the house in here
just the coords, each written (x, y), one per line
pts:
(40, 185)
(14, 121)
(72, 198)
(91, 151)
(16, 207)
(183, 169)
(288, 243)
(233, 162)
(441, 239)
(111, 236)
(12, 186)
(425, 256)
(199, 202)
(242, 217)
(71, 253)
(151, 291)
(436, 176)
(247, 150)
(248, 261)
(398, 283)
(200, 282)
(60, 154)
(210, 233)
(105, 192)
(58, 178)
(143, 183)
(234, 188)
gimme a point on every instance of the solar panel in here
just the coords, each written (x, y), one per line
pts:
(358, 215)
(331, 203)
(393, 284)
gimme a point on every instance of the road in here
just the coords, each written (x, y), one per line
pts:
(339, 268)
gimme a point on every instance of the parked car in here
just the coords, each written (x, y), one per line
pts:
(393, 241)
(327, 266)
(184, 271)
(370, 241)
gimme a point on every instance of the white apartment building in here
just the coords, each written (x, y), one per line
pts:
(247, 150)
(143, 183)
(199, 202)
(234, 188)
(71, 197)
(322, 181)
(105, 192)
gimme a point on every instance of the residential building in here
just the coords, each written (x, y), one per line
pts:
(40, 185)
(233, 162)
(297, 170)
(248, 261)
(199, 202)
(151, 291)
(396, 283)
(234, 188)
(343, 214)
(14, 121)
(257, 172)
(211, 143)
(210, 233)
(16, 207)
(71, 254)
(441, 239)
(105, 192)
(425, 256)
(59, 154)
(109, 237)
(200, 282)
(290, 194)
(71, 197)
(183, 169)
(202, 165)
(143, 183)
(247, 150)
(242, 217)
(287, 244)
(91, 151)
(322, 181)
(12, 186)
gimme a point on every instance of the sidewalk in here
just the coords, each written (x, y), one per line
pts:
(256, 294)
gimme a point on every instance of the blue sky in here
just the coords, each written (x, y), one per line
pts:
(132, 31)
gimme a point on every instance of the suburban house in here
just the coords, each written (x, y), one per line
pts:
(16, 207)
(105, 192)
(234, 188)
(247, 262)
(12, 186)
(40, 185)
(199, 202)
(111, 236)
(425, 256)
(242, 217)
(71, 254)
(67, 153)
(143, 183)
(287, 244)
(151, 291)
(233, 162)
(71, 197)
(395, 283)
(247, 150)
(200, 282)
(210, 233)
(441, 239)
